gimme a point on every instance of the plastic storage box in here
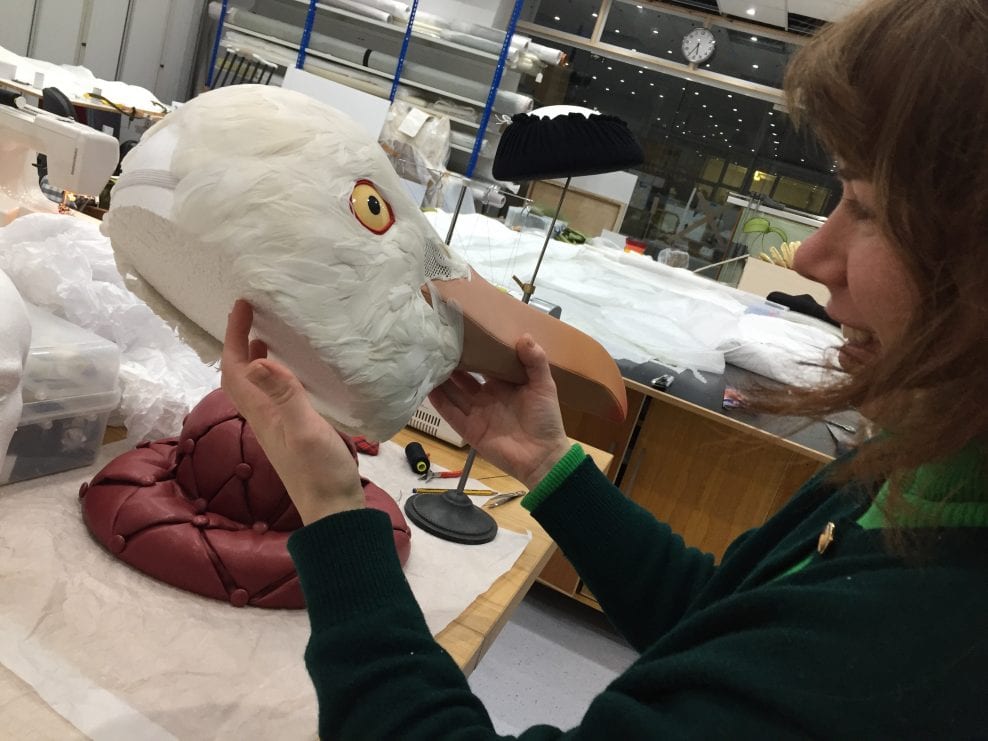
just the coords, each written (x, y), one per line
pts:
(69, 391)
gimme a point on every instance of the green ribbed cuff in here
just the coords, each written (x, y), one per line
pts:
(557, 475)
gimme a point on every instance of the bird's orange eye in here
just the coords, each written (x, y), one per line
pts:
(370, 208)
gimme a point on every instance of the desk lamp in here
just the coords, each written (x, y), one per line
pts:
(558, 141)
(562, 141)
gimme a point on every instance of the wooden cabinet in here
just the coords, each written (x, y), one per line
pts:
(709, 476)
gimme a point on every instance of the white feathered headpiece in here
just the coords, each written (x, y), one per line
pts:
(266, 194)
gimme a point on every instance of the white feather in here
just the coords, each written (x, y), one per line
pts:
(260, 210)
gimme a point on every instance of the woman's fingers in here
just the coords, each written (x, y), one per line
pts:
(236, 349)
(448, 410)
(460, 389)
(257, 349)
(253, 382)
(532, 356)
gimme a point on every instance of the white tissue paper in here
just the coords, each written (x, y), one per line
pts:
(76, 82)
(66, 266)
(15, 339)
(123, 656)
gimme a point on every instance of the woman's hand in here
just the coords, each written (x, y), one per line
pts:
(309, 455)
(518, 428)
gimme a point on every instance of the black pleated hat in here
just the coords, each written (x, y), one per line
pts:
(540, 147)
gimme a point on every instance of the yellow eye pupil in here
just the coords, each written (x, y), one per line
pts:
(370, 208)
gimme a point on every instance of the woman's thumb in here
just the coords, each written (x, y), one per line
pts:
(277, 386)
(532, 356)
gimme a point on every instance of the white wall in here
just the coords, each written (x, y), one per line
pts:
(106, 28)
(58, 32)
(16, 25)
(153, 48)
(179, 50)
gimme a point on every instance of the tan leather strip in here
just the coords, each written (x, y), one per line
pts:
(585, 374)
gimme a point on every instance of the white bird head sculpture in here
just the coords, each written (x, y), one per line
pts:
(265, 194)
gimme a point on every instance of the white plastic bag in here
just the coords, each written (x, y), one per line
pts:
(416, 142)
(66, 266)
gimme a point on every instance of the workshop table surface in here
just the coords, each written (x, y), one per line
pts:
(26, 716)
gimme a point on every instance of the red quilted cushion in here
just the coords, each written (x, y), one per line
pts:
(206, 511)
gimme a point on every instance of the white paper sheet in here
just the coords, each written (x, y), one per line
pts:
(121, 655)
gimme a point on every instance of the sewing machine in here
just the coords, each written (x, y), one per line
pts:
(80, 159)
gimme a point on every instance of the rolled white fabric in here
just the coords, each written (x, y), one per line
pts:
(527, 63)
(389, 6)
(360, 9)
(462, 139)
(547, 54)
(15, 341)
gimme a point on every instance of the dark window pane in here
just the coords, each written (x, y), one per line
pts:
(572, 16)
(746, 56)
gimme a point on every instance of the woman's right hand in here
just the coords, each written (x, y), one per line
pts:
(517, 427)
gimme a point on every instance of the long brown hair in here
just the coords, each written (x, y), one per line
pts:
(898, 91)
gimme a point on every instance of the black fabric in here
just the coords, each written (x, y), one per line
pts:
(534, 148)
(8, 98)
(804, 303)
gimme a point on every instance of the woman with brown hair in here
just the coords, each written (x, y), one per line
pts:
(861, 608)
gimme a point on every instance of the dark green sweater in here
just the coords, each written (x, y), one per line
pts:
(857, 644)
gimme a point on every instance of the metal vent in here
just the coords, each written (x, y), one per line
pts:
(708, 6)
(804, 24)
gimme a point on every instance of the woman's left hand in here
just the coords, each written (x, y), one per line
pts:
(310, 457)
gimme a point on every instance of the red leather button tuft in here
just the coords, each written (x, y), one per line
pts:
(239, 597)
(200, 520)
(83, 489)
(118, 543)
(188, 445)
(243, 471)
(147, 480)
(201, 505)
(260, 527)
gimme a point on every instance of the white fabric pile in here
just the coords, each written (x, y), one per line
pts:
(75, 82)
(15, 338)
(642, 310)
(66, 266)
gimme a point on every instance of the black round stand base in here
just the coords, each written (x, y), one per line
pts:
(451, 517)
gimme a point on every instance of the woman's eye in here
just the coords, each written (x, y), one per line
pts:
(370, 208)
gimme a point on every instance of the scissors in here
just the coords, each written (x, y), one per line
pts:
(498, 499)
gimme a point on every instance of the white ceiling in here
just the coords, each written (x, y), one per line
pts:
(774, 12)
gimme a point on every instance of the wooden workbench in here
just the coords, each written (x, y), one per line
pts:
(709, 476)
(468, 637)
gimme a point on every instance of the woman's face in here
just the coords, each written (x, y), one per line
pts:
(871, 292)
